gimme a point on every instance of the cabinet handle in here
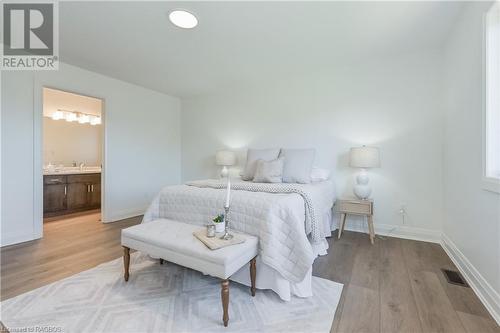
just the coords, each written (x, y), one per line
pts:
(65, 189)
(92, 187)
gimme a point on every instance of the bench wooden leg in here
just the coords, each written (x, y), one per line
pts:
(225, 301)
(126, 261)
(161, 261)
(253, 273)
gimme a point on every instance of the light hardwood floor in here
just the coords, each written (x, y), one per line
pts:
(392, 286)
(396, 285)
(68, 246)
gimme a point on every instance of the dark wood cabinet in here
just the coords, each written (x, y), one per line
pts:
(71, 193)
(78, 196)
(54, 198)
(95, 195)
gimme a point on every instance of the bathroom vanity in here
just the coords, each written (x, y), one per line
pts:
(70, 192)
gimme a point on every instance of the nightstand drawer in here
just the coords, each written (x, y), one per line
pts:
(354, 207)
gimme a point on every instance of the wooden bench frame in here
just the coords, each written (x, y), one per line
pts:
(224, 283)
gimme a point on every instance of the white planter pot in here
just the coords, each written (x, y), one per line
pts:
(219, 227)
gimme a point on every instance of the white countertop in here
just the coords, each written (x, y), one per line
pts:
(71, 171)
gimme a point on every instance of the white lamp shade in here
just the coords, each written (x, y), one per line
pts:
(364, 157)
(225, 158)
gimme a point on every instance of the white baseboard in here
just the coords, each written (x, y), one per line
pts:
(124, 214)
(426, 235)
(488, 296)
(21, 237)
(16, 238)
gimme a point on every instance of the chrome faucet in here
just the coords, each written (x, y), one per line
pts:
(82, 165)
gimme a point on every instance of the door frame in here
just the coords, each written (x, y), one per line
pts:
(38, 87)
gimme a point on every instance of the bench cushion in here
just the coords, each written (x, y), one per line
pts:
(174, 242)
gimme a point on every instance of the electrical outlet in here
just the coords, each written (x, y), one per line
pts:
(402, 209)
(402, 212)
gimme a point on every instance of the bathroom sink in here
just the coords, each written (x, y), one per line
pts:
(71, 170)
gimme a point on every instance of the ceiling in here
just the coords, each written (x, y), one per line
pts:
(239, 43)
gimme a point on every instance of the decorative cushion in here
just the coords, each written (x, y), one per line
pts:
(298, 165)
(319, 174)
(257, 154)
(269, 172)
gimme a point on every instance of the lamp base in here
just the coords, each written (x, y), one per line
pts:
(362, 190)
(224, 172)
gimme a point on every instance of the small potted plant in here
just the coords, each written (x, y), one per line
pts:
(219, 223)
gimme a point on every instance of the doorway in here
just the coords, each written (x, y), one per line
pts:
(72, 155)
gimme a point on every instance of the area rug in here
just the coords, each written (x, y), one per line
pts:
(163, 298)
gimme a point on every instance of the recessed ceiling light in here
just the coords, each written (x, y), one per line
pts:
(183, 19)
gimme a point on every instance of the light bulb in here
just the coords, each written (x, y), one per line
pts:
(57, 115)
(95, 121)
(70, 116)
(84, 119)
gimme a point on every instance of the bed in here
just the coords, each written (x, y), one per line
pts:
(292, 222)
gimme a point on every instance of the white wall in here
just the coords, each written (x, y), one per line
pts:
(65, 142)
(17, 206)
(472, 214)
(394, 104)
(142, 145)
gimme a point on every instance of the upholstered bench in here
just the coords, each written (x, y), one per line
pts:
(174, 241)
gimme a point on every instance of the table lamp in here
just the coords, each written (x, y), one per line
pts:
(225, 158)
(363, 157)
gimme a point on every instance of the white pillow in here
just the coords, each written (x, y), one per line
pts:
(257, 154)
(298, 165)
(269, 172)
(319, 175)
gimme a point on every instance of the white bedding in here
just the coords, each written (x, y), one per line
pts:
(278, 219)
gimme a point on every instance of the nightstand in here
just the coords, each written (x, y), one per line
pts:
(355, 207)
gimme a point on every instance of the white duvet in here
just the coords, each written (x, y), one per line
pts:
(278, 219)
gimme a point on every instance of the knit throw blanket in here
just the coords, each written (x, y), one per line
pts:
(312, 228)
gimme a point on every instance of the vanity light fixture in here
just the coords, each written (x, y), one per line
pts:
(83, 119)
(80, 117)
(57, 115)
(183, 19)
(70, 116)
(95, 121)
